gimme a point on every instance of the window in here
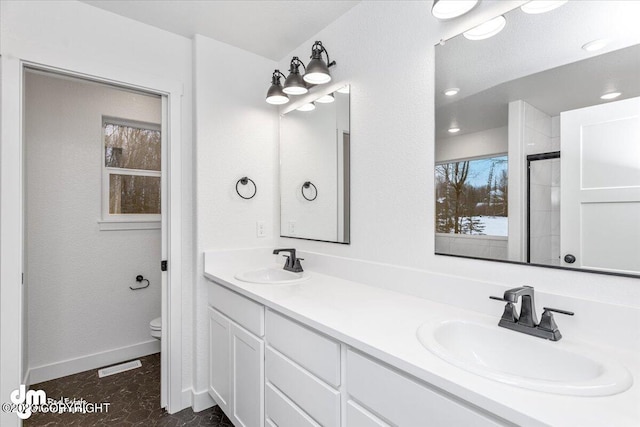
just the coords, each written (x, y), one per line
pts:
(131, 172)
(472, 197)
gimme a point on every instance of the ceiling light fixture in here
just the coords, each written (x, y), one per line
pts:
(344, 89)
(451, 91)
(449, 9)
(594, 45)
(326, 99)
(275, 94)
(486, 30)
(610, 95)
(295, 84)
(317, 71)
(308, 107)
(454, 130)
(541, 6)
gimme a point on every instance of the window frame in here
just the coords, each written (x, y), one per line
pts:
(111, 221)
(470, 159)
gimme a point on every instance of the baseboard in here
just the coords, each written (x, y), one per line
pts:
(187, 398)
(92, 361)
(201, 401)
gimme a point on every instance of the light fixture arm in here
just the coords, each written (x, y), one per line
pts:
(276, 77)
(316, 53)
(295, 64)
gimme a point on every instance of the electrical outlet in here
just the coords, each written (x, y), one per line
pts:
(292, 228)
(260, 229)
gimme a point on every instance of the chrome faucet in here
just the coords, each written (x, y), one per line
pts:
(527, 321)
(292, 263)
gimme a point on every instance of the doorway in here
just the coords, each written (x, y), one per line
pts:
(95, 218)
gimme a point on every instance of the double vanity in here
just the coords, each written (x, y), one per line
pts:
(312, 348)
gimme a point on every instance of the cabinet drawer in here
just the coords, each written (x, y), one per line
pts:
(313, 396)
(241, 310)
(357, 416)
(311, 350)
(404, 401)
(282, 412)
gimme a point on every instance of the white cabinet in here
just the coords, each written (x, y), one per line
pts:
(247, 378)
(219, 358)
(404, 401)
(236, 357)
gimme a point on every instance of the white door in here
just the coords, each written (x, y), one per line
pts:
(600, 187)
(164, 251)
(247, 377)
(219, 362)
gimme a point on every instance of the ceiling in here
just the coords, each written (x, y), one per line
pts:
(538, 58)
(267, 28)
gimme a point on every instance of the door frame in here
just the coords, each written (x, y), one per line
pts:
(12, 222)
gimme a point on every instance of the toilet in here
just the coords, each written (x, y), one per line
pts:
(156, 327)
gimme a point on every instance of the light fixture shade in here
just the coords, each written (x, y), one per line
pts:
(317, 72)
(275, 94)
(541, 6)
(326, 99)
(449, 9)
(295, 85)
(487, 29)
(307, 107)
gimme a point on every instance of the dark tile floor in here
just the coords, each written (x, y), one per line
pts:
(134, 398)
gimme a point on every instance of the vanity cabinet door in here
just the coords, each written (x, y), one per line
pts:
(247, 378)
(219, 362)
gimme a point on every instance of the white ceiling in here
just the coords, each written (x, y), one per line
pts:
(268, 28)
(513, 65)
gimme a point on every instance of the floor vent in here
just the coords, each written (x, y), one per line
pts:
(116, 369)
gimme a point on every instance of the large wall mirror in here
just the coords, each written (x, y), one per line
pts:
(537, 141)
(314, 169)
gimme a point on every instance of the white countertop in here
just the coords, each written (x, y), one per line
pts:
(383, 323)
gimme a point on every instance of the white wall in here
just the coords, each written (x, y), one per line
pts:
(75, 33)
(392, 148)
(472, 145)
(78, 277)
(236, 136)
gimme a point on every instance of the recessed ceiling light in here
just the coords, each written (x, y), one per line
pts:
(454, 130)
(541, 6)
(486, 30)
(326, 99)
(449, 9)
(307, 107)
(594, 45)
(451, 91)
(610, 95)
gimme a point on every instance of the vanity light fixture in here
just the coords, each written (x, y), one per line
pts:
(307, 107)
(610, 95)
(326, 99)
(487, 29)
(344, 89)
(541, 6)
(294, 83)
(451, 91)
(449, 9)
(275, 94)
(594, 45)
(317, 71)
(454, 129)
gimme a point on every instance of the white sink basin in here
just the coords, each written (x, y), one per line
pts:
(561, 367)
(272, 276)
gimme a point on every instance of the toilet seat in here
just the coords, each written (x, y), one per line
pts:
(156, 324)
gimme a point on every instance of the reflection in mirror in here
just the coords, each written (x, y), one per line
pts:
(537, 130)
(314, 170)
